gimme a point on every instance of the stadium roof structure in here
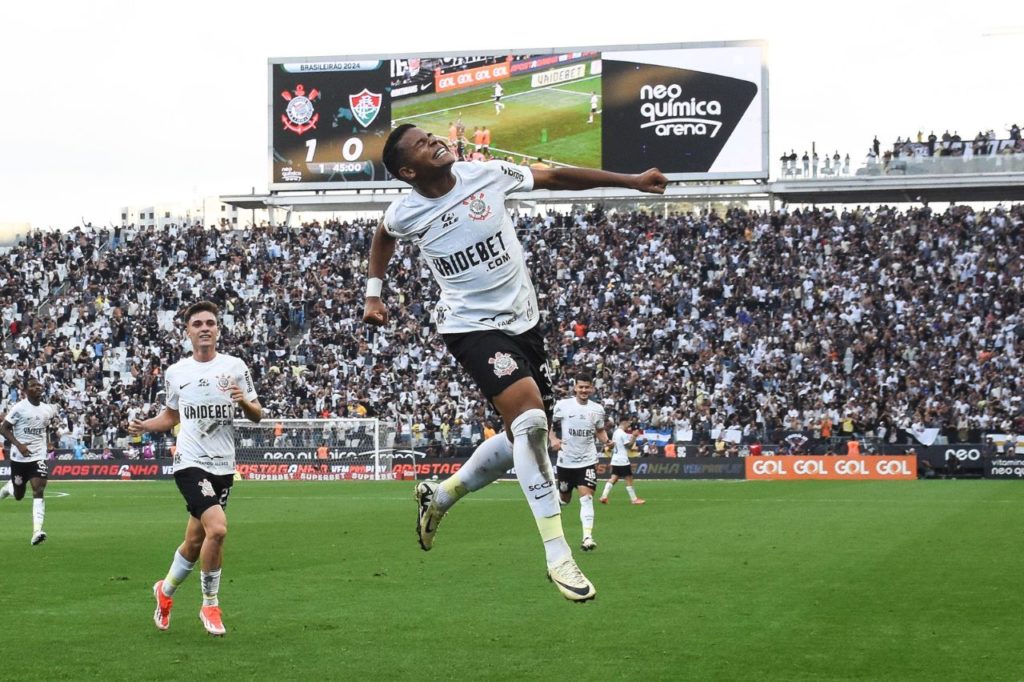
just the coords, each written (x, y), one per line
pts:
(846, 190)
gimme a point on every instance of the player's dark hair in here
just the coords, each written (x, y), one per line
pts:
(201, 307)
(392, 157)
(585, 375)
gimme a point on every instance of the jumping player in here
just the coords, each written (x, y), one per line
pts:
(583, 426)
(25, 428)
(487, 316)
(203, 393)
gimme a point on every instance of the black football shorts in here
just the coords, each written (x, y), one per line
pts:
(496, 360)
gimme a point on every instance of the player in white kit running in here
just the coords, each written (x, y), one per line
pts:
(487, 316)
(204, 393)
(25, 428)
(583, 427)
(622, 440)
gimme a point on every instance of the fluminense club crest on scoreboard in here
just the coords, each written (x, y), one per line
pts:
(365, 106)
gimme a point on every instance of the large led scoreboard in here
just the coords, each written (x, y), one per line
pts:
(696, 111)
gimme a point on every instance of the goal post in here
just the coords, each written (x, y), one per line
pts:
(314, 449)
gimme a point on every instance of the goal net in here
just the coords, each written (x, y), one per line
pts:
(314, 449)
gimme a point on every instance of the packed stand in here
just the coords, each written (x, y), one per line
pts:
(868, 321)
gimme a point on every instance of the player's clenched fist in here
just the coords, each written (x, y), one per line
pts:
(375, 312)
(651, 181)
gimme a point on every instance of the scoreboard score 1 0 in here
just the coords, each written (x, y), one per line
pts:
(329, 121)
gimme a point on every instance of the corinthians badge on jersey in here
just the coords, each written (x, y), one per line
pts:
(223, 383)
(478, 208)
(503, 363)
(365, 106)
(300, 115)
(206, 488)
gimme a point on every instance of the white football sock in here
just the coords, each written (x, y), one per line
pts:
(587, 515)
(607, 489)
(490, 460)
(533, 469)
(7, 490)
(38, 513)
(631, 491)
(180, 569)
(211, 586)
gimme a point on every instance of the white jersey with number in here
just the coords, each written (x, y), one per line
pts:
(28, 423)
(468, 241)
(620, 447)
(199, 391)
(580, 424)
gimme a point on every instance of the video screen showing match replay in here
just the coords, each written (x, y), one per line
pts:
(695, 111)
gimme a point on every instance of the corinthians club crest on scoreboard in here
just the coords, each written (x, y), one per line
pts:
(300, 115)
(365, 106)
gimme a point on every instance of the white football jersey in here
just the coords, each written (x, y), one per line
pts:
(199, 392)
(580, 424)
(620, 447)
(470, 245)
(28, 423)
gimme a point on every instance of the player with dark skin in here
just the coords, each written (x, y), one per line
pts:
(427, 166)
(34, 393)
(516, 377)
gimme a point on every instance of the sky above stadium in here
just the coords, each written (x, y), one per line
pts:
(109, 104)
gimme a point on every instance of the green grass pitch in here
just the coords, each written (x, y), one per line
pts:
(560, 110)
(709, 580)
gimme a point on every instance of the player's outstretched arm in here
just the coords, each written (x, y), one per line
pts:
(381, 250)
(165, 421)
(651, 181)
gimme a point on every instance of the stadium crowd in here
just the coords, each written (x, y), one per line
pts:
(867, 321)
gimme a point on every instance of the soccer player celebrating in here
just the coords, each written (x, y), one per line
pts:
(622, 441)
(25, 428)
(487, 316)
(583, 424)
(203, 393)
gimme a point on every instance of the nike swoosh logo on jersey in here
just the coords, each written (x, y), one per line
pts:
(582, 591)
(184, 385)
